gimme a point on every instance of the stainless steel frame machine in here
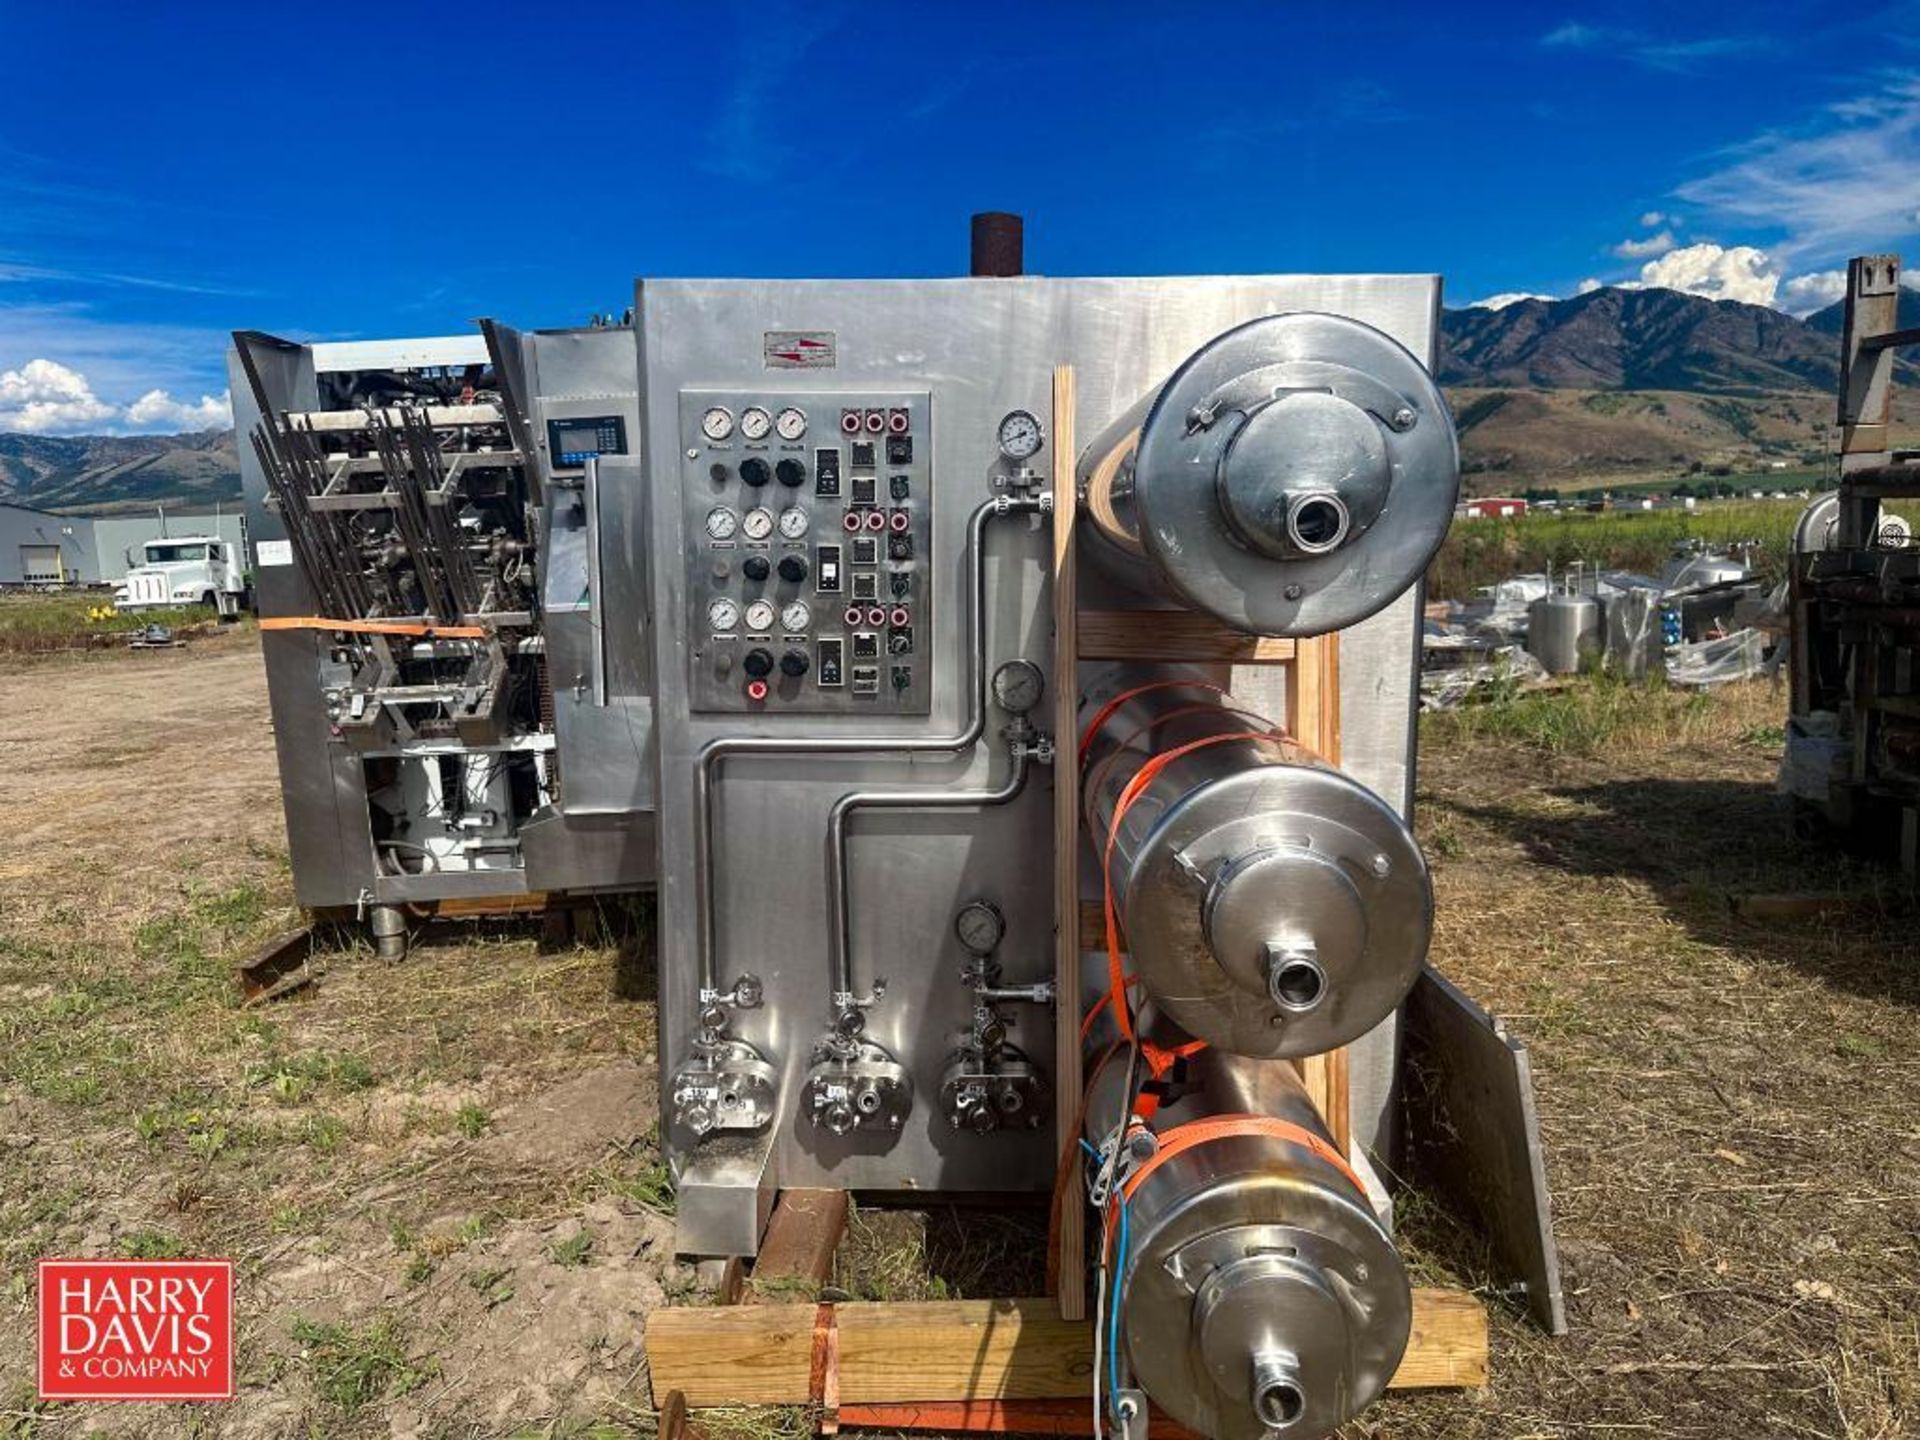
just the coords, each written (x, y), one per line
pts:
(750, 602)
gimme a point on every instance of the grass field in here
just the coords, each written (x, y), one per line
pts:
(441, 1185)
(78, 620)
(1478, 553)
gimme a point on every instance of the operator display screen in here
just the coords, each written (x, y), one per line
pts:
(574, 442)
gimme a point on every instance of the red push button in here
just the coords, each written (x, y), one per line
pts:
(756, 690)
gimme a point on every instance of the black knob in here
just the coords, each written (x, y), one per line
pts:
(754, 471)
(792, 473)
(794, 663)
(756, 567)
(758, 664)
(793, 569)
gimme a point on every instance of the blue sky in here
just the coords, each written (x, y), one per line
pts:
(169, 173)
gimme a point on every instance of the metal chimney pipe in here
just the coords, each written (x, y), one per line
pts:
(997, 244)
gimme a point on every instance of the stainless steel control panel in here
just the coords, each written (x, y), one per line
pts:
(809, 517)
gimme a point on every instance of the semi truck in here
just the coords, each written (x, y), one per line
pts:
(184, 570)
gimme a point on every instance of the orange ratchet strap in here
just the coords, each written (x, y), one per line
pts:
(1225, 1127)
(374, 627)
(1105, 711)
(1158, 1059)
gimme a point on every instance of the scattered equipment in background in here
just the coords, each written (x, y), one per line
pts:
(1852, 760)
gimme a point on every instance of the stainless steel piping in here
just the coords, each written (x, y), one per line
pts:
(715, 751)
(846, 1004)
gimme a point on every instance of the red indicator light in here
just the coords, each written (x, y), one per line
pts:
(756, 690)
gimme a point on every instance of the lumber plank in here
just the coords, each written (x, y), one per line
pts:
(1173, 635)
(796, 1254)
(1070, 1273)
(962, 1350)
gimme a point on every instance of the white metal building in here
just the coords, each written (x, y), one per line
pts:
(38, 547)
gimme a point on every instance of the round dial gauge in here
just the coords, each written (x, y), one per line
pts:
(760, 616)
(980, 926)
(722, 615)
(1017, 686)
(796, 617)
(793, 522)
(721, 523)
(717, 423)
(754, 423)
(758, 524)
(1020, 435)
(791, 424)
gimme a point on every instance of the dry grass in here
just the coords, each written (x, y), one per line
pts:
(1728, 1107)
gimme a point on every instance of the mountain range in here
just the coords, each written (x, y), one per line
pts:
(1605, 387)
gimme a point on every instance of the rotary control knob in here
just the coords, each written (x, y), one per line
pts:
(793, 569)
(791, 473)
(794, 663)
(755, 472)
(755, 567)
(758, 663)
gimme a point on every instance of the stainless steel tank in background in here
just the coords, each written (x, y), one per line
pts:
(1271, 904)
(1294, 476)
(1562, 631)
(1258, 1293)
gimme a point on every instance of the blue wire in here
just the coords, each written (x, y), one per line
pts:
(1113, 1308)
(1092, 1154)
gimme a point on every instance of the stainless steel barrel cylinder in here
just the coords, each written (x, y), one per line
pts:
(1270, 904)
(1294, 476)
(1258, 1295)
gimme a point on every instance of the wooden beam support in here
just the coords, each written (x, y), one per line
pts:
(1174, 635)
(1070, 1272)
(796, 1254)
(960, 1350)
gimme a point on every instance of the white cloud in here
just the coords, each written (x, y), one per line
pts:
(1653, 218)
(1506, 298)
(1649, 245)
(1673, 56)
(157, 410)
(1739, 272)
(44, 397)
(1804, 294)
(1588, 286)
(1846, 179)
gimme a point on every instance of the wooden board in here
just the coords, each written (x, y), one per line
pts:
(1174, 635)
(961, 1350)
(796, 1254)
(1070, 1274)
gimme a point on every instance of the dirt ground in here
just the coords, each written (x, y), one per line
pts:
(441, 1188)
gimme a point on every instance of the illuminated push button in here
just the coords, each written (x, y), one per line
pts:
(756, 690)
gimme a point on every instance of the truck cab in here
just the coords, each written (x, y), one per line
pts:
(183, 570)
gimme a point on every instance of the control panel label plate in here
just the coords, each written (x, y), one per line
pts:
(800, 350)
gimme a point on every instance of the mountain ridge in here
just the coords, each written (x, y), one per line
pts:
(1720, 383)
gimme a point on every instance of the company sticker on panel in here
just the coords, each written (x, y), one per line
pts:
(800, 350)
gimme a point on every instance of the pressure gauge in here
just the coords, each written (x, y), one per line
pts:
(1020, 435)
(717, 423)
(754, 423)
(793, 522)
(722, 616)
(721, 523)
(796, 617)
(1017, 686)
(980, 926)
(760, 617)
(758, 524)
(791, 424)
